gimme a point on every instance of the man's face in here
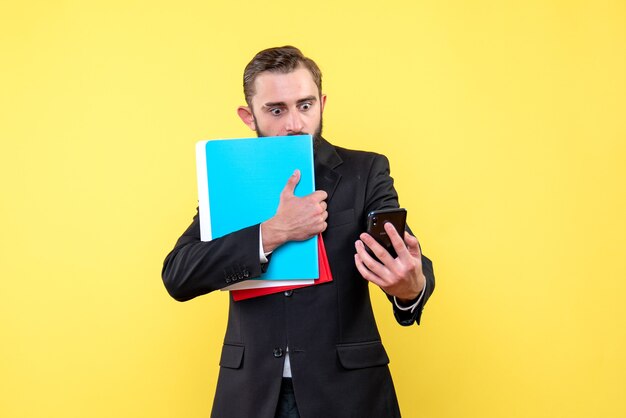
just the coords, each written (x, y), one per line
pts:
(285, 104)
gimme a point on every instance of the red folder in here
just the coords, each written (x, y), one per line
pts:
(325, 276)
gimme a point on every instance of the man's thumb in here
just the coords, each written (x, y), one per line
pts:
(293, 181)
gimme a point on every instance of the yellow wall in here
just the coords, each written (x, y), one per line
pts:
(505, 126)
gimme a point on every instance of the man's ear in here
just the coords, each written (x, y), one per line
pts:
(247, 116)
(322, 103)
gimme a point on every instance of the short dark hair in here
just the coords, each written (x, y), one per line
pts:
(282, 59)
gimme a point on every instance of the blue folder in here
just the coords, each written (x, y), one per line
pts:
(239, 185)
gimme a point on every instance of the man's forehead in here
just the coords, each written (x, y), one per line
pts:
(298, 82)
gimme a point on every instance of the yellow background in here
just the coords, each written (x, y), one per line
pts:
(505, 126)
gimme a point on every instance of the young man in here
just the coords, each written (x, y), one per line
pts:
(314, 351)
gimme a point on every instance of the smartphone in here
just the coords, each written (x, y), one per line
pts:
(376, 221)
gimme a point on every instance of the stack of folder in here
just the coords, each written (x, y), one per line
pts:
(239, 185)
(324, 277)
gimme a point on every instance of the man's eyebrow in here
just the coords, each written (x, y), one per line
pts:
(282, 104)
(307, 99)
(274, 104)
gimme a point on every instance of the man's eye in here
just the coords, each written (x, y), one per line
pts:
(305, 106)
(276, 111)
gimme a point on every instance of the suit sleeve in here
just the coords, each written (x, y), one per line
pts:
(196, 267)
(382, 195)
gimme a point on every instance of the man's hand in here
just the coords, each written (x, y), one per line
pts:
(401, 277)
(297, 218)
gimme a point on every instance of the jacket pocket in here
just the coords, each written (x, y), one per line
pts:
(232, 356)
(340, 218)
(361, 355)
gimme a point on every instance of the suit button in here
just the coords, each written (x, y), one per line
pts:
(278, 352)
(288, 293)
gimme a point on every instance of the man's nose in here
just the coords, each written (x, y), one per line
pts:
(294, 123)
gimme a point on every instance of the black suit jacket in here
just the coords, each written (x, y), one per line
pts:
(338, 362)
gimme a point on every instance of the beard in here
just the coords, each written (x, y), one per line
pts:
(317, 135)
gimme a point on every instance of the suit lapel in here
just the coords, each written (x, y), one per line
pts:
(326, 160)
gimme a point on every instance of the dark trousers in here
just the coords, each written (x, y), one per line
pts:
(287, 407)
